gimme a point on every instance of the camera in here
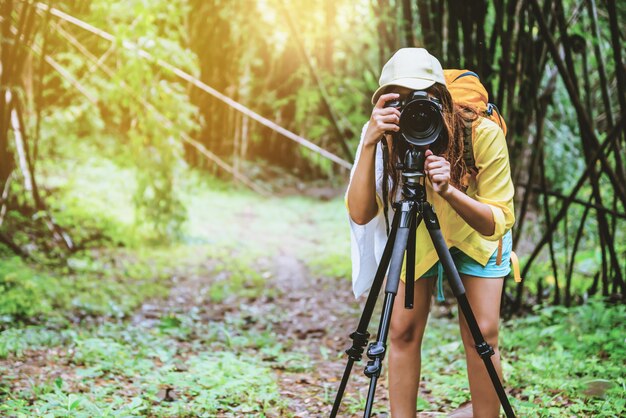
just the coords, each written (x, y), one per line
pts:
(421, 120)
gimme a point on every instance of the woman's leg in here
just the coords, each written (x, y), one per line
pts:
(484, 298)
(406, 332)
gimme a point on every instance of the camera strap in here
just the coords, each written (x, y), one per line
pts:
(385, 185)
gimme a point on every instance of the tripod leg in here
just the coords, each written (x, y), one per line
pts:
(377, 349)
(484, 350)
(360, 336)
(410, 264)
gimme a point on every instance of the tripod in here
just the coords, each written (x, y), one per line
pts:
(409, 213)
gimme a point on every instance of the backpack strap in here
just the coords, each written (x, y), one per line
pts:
(465, 74)
(513, 260)
(490, 108)
(515, 265)
(468, 147)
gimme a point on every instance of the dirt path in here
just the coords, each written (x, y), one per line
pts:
(310, 315)
(320, 313)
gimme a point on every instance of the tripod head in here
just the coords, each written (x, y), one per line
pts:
(412, 171)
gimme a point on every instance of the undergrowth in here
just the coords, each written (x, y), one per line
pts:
(557, 362)
(70, 344)
(179, 368)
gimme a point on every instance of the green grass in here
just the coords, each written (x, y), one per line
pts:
(113, 283)
(124, 370)
(558, 352)
(315, 231)
(550, 360)
(95, 361)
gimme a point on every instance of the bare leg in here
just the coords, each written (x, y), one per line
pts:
(484, 298)
(406, 332)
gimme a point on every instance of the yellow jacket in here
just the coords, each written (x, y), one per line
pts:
(492, 186)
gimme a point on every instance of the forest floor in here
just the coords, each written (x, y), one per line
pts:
(250, 317)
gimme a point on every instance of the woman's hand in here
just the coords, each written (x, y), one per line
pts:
(438, 170)
(478, 215)
(383, 119)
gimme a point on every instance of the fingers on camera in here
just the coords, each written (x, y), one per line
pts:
(389, 127)
(390, 118)
(389, 111)
(385, 98)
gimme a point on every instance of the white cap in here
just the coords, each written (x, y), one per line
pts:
(413, 68)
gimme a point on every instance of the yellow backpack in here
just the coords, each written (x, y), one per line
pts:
(465, 88)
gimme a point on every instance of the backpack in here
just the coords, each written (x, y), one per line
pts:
(465, 88)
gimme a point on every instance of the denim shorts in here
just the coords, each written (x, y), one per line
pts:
(467, 265)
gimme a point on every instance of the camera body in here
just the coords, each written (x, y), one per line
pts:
(421, 119)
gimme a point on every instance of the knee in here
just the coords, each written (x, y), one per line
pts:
(489, 330)
(406, 334)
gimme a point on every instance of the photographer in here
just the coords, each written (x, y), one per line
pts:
(475, 210)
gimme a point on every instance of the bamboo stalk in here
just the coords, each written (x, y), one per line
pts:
(605, 233)
(614, 213)
(617, 53)
(167, 122)
(6, 56)
(621, 79)
(546, 210)
(339, 123)
(607, 144)
(570, 268)
(593, 14)
(4, 198)
(200, 85)
(38, 101)
(586, 132)
(19, 148)
(544, 99)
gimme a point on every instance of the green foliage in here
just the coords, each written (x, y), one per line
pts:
(222, 382)
(242, 280)
(550, 361)
(141, 112)
(26, 292)
(14, 341)
(88, 287)
(94, 211)
(125, 369)
(556, 353)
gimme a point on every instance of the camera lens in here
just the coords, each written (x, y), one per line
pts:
(421, 122)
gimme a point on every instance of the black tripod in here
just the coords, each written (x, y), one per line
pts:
(409, 212)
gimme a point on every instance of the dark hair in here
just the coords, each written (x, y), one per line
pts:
(450, 145)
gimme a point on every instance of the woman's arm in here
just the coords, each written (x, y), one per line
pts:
(478, 215)
(361, 200)
(361, 196)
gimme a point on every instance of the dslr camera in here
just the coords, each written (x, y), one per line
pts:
(421, 119)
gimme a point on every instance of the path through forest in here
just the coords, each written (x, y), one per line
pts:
(311, 315)
(249, 314)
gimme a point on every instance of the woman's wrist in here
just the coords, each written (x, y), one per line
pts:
(370, 143)
(449, 192)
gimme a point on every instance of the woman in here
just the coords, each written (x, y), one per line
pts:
(475, 212)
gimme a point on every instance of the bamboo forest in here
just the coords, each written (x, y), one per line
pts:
(189, 206)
